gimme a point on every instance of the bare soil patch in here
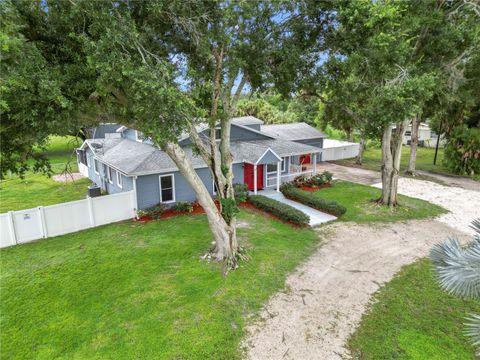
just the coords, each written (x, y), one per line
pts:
(67, 177)
(326, 297)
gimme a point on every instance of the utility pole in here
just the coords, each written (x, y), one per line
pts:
(438, 141)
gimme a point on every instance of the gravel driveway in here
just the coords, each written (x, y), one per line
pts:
(327, 295)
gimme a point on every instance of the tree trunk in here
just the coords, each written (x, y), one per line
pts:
(391, 156)
(413, 145)
(224, 234)
(361, 149)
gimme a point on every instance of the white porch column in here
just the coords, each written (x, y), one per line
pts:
(279, 171)
(255, 179)
(314, 163)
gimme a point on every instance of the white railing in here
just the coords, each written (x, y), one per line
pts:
(17, 227)
(272, 179)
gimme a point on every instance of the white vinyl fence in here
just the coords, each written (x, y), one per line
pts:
(337, 150)
(18, 227)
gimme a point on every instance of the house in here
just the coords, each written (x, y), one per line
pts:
(264, 156)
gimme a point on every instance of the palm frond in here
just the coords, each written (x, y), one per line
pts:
(458, 267)
(475, 225)
(472, 331)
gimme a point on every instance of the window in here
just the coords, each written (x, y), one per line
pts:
(139, 136)
(109, 175)
(96, 166)
(272, 168)
(214, 187)
(408, 133)
(218, 134)
(167, 188)
(119, 180)
(89, 163)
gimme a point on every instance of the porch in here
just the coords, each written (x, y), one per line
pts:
(271, 170)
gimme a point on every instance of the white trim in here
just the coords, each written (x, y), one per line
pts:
(284, 168)
(265, 152)
(213, 187)
(172, 175)
(255, 179)
(119, 179)
(89, 162)
(136, 137)
(109, 175)
(95, 166)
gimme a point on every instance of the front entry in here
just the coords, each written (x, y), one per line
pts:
(248, 177)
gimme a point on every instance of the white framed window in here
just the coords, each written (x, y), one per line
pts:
(167, 188)
(96, 166)
(272, 168)
(139, 136)
(119, 180)
(214, 187)
(89, 162)
(283, 164)
(109, 175)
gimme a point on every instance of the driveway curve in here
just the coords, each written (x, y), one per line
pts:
(327, 295)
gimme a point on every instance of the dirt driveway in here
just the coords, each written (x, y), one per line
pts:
(327, 295)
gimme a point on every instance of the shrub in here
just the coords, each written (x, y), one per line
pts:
(306, 198)
(320, 179)
(241, 192)
(155, 211)
(281, 210)
(462, 152)
(300, 181)
(183, 206)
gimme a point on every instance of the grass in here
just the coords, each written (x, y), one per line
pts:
(412, 318)
(132, 290)
(37, 189)
(361, 207)
(372, 160)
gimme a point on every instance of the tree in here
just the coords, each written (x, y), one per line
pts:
(38, 94)
(458, 271)
(172, 68)
(378, 60)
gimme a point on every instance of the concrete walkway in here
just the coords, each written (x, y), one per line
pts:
(316, 217)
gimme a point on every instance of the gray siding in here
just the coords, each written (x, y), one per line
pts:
(148, 187)
(268, 158)
(102, 129)
(236, 133)
(101, 178)
(312, 142)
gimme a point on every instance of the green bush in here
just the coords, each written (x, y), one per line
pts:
(281, 210)
(241, 192)
(462, 152)
(183, 206)
(320, 179)
(154, 212)
(306, 198)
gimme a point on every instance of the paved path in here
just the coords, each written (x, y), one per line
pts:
(316, 217)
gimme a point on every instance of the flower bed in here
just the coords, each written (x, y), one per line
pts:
(280, 210)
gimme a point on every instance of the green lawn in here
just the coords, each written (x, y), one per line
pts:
(362, 208)
(37, 189)
(140, 291)
(412, 318)
(372, 160)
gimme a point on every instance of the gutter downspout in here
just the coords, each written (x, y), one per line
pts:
(135, 199)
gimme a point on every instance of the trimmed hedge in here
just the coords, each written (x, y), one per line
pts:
(281, 210)
(306, 198)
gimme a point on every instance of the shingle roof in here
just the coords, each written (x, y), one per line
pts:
(247, 120)
(293, 132)
(136, 158)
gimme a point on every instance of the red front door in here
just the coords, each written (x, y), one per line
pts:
(248, 177)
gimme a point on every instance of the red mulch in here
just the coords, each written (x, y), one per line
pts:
(315, 188)
(169, 213)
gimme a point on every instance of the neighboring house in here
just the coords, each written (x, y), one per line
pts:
(264, 156)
